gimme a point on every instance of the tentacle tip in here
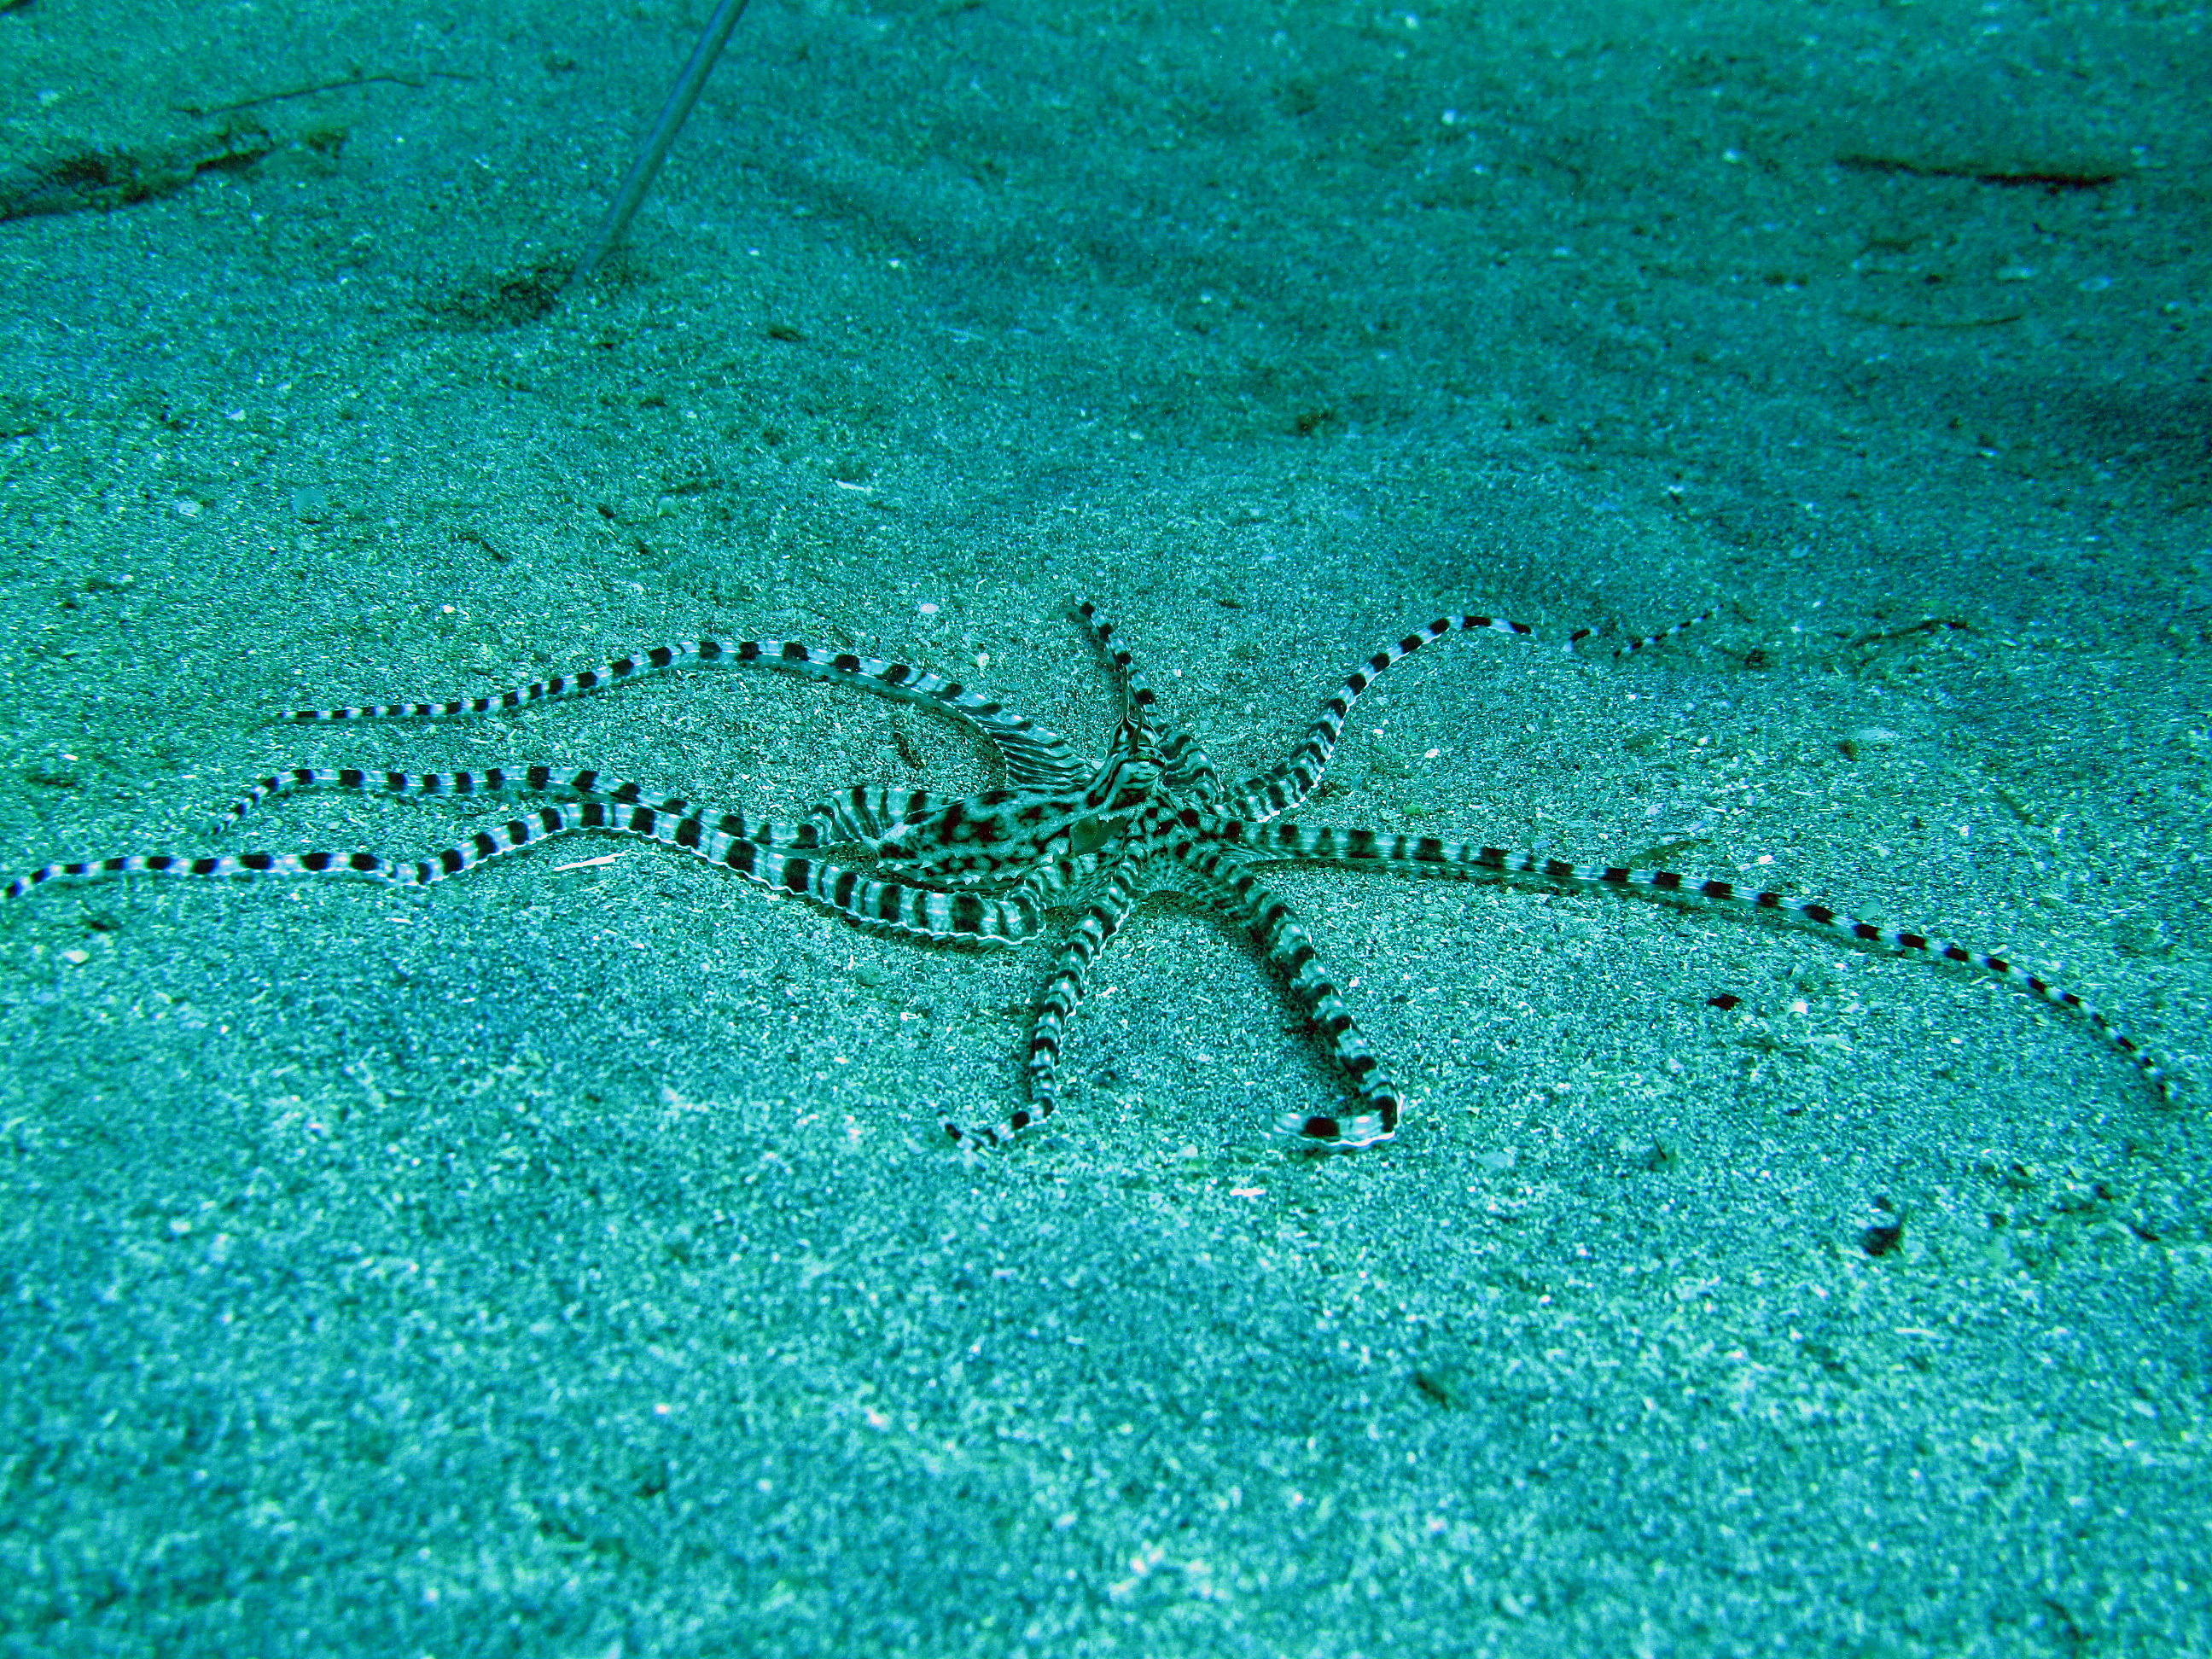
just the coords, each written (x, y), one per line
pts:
(1321, 1134)
(969, 1141)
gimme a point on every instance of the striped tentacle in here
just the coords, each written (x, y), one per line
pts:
(1101, 921)
(1138, 697)
(480, 848)
(1035, 754)
(227, 866)
(1284, 785)
(1642, 642)
(493, 780)
(1189, 768)
(890, 906)
(1319, 844)
(861, 815)
(895, 906)
(865, 815)
(549, 781)
(1219, 874)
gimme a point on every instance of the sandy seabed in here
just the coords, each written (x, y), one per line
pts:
(564, 1259)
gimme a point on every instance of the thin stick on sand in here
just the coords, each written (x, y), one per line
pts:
(654, 151)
